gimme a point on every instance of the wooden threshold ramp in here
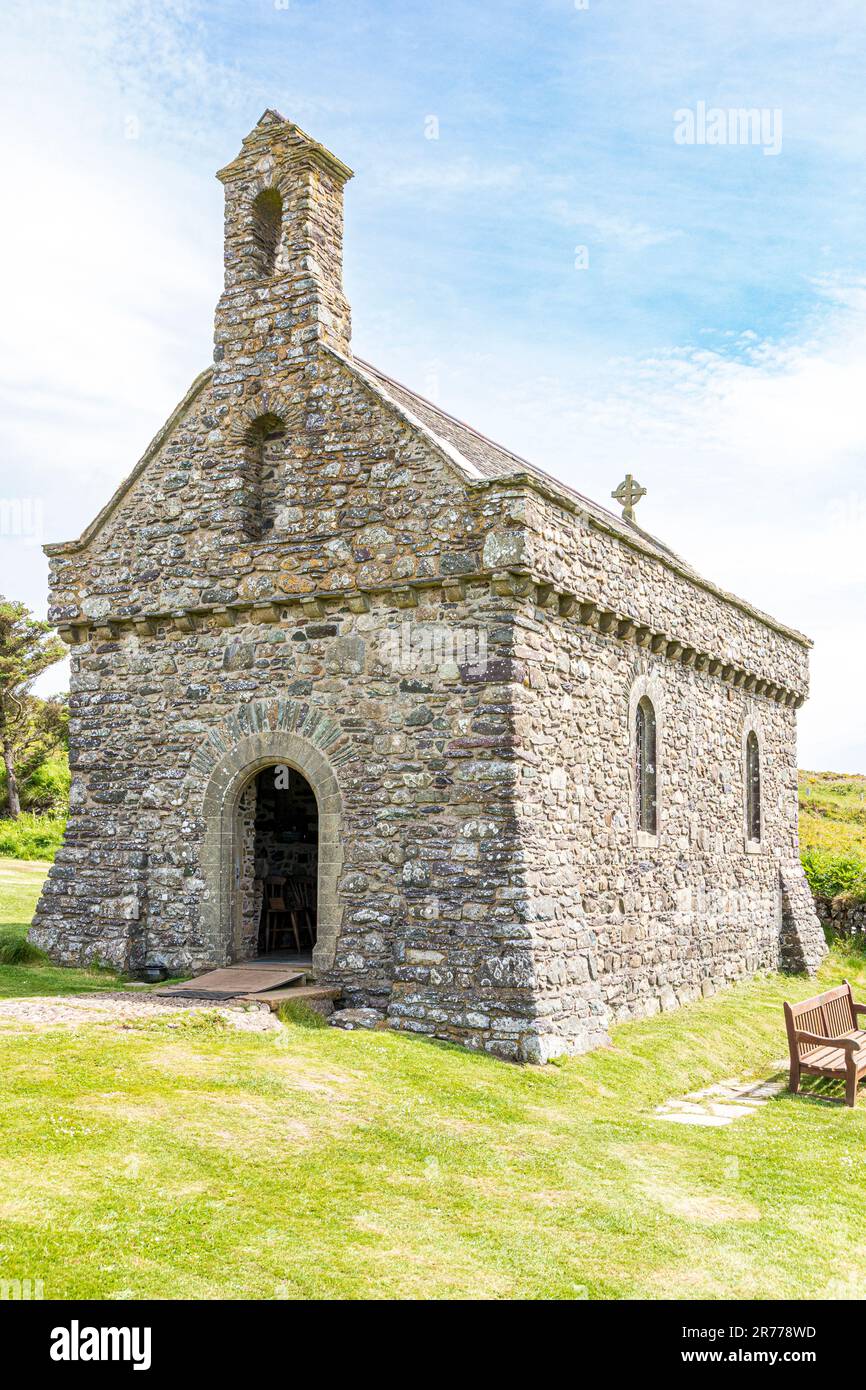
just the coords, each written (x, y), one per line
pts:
(247, 981)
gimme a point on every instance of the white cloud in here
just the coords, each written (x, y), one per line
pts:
(764, 406)
(630, 233)
(455, 176)
(111, 261)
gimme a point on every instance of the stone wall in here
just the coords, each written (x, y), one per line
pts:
(431, 879)
(492, 888)
(655, 924)
(250, 885)
(845, 916)
(367, 504)
(622, 574)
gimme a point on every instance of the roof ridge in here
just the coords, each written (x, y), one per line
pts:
(503, 449)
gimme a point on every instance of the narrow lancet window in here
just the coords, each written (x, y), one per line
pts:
(753, 787)
(646, 771)
(264, 481)
(267, 226)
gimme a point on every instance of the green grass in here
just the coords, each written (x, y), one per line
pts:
(20, 885)
(31, 836)
(833, 833)
(301, 1014)
(181, 1159)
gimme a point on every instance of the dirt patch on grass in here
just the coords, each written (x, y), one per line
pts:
(297, 1074)
(709, 1209)
(258, 1129)
(23, 869)
(128, 1010)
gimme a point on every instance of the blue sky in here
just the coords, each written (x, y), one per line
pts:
(715, 345)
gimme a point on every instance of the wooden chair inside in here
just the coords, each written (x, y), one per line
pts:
(280, 928)
(301, 901)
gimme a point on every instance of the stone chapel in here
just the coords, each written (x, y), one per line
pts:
(517, 769)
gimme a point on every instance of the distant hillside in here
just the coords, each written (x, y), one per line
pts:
(833, 811)
(833, 832)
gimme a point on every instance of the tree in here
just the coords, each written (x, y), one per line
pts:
(27, 648)
(41, 742)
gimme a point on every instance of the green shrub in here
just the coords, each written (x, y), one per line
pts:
(15, 949)
(31, 836)
(830, 874)
(847, 948)
(46, 790)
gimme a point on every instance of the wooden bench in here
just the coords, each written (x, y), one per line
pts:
(824, 1040)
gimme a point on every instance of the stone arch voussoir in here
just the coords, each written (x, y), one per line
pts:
(277, 400)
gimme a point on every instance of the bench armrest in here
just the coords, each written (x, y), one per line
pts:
(858, 1008)
(848, 1044)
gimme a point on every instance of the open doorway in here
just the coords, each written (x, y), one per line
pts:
(279, 823)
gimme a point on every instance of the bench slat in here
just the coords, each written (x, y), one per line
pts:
(828, 1058)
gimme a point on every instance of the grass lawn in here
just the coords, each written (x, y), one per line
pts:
(31, 836)
(185, 1160)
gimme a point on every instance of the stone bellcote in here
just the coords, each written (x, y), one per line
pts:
(283, 254)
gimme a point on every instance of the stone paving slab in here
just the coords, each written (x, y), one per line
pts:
(710, 1121)
(722, 1103)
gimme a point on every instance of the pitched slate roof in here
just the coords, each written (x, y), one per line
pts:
(490, 460)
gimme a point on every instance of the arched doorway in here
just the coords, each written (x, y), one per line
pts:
(230, 760)
(277, 843)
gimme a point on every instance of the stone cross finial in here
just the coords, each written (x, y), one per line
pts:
(629, 494)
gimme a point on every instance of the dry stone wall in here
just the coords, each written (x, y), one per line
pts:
(845, 916)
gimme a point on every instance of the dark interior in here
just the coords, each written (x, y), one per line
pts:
(286, 860)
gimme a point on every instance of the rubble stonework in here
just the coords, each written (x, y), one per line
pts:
(842, 915)
(312, 565)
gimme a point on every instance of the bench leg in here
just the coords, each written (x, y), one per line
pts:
(794, 1078)
(851, 1086)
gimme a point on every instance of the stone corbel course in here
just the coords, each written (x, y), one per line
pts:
(517, 584)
